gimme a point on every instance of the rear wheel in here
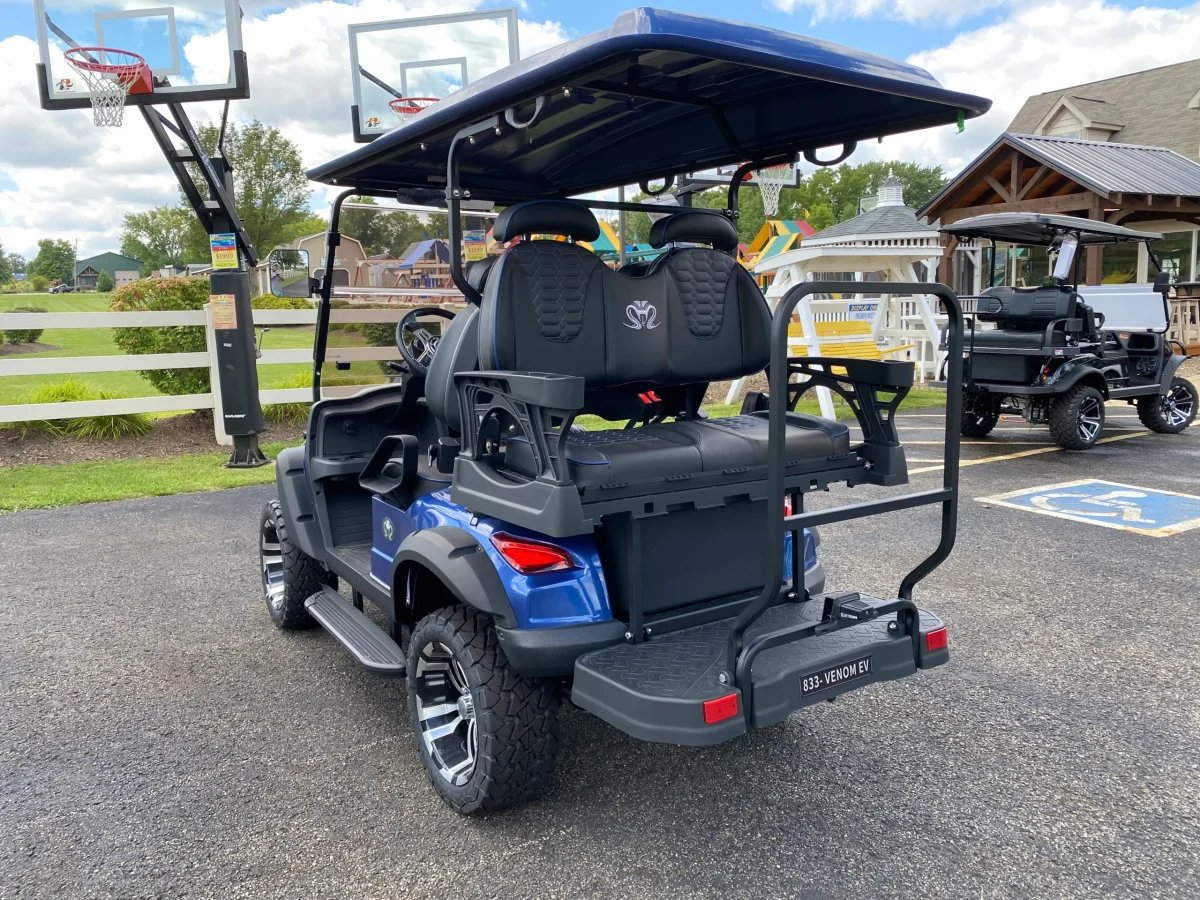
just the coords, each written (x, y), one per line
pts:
(1077, 418)
(487, 736)
(1172, 412)
(289, 575)
(979, 416)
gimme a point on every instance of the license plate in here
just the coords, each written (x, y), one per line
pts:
(835, 676)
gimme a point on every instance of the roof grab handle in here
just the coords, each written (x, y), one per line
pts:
(668, 183)
(510, 114)
(847, 149)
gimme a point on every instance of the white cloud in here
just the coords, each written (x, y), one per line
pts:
(1035, 50)
(945, 12)
(77, 181)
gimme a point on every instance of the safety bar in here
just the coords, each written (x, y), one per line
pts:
(778, 522)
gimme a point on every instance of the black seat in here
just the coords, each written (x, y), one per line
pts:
(1024, 315)
(696, 317)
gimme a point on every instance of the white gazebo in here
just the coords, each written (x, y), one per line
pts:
(885, 243)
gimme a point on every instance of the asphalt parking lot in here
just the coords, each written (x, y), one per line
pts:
(161, 739)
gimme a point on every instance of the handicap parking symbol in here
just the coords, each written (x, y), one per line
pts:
(1108, 504)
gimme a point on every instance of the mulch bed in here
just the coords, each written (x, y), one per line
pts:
(174, 436)
(7, 349)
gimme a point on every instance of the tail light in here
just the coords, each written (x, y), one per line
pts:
(937, 640)
(787, 504)
(531, 557)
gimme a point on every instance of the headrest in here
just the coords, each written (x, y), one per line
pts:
(546, 217)
(477, 272)
(694, 227)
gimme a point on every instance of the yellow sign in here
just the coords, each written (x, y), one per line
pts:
(224, 250)
(474, 245)
(224, 312)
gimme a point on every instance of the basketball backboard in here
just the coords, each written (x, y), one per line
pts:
(427, 57)
(193, 48)
(720, 176)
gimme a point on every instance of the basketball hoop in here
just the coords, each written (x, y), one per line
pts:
(406, 107)
(770, 182)
(110, 76)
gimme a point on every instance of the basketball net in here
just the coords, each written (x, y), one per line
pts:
(109, 74)
(770, 182)
(407, 107)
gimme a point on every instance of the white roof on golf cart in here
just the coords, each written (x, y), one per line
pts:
(1041, 229)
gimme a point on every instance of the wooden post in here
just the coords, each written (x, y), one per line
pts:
(1095, 254)
(945, 269)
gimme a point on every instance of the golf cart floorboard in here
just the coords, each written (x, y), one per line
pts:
(656, 690)
(365, 640)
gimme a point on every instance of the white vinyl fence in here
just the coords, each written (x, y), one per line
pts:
(70, 365)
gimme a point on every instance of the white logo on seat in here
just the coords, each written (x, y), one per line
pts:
(641, 314)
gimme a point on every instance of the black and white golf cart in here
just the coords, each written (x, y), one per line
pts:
(1058, 351)
(647, 572)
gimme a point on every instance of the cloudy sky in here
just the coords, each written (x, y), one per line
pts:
(61, 177)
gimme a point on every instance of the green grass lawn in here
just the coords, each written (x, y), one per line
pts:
(37, 487)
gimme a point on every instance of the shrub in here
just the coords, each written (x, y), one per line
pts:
(155, 294)
(104, 283)
(297, 413)
(38, 284)
(24, 335)
(270, 301)
(69, 390)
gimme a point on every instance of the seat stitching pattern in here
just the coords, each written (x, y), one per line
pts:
(702, 277)
(557, 279)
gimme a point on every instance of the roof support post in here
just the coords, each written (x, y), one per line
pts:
(945, 269)
(454, 197)
(1095, 253)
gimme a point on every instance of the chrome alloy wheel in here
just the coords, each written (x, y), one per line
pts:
(446, 713)
(271, 557)
(1178, 405)
(1091, 417)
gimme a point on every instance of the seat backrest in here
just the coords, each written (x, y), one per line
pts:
(552, 306)
(457, 351)
(1028, 308)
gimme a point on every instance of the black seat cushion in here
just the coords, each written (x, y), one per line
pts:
(1015, 339)
(685, 448)
(457, 351)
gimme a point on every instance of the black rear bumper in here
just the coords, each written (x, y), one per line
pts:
(657, 690)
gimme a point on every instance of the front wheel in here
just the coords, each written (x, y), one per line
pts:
(1170, 412)
(289, 575)
(488, 737)
(1077, 418)
(979, 416)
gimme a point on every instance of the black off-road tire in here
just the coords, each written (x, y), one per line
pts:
(1171, 412)
(974, 424)
(515, 718)
(1068, 414)
(302, 576)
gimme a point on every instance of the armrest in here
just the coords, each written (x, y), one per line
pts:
(860, 387)
(538, 388)
(540, 406)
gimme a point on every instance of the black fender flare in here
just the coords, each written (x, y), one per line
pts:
(1076, 371)
(1170, 367)
(455, 557)
(296, 501)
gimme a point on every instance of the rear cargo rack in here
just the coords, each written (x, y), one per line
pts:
(845, 612)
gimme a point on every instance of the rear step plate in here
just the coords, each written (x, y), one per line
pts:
(365, 640)
(656, 690)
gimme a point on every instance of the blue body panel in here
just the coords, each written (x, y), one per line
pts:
(777, 91)
(575, 597)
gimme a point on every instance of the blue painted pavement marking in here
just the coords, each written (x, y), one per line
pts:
(1109, 505)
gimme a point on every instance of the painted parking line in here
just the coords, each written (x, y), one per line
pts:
(1021, 454)
(1108, 504)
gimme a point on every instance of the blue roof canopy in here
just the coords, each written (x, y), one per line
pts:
(659, 93)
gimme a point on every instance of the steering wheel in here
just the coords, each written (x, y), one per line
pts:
(416, 344)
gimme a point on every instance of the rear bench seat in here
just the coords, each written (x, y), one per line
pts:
(697, 316)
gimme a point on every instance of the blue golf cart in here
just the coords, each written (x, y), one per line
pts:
(661, 575)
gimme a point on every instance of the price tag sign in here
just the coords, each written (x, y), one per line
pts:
(224, 250)
(224, 312)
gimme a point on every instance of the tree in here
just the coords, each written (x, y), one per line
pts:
(158, 237)
(831, 195)
(104, 283)
(55, 260)
(18, 263)
(310, 224)
(270, 187)
(6, 267)
(384, 232)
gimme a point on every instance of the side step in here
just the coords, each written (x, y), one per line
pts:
(365, 640)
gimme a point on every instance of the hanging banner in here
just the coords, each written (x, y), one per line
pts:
(224, 250)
